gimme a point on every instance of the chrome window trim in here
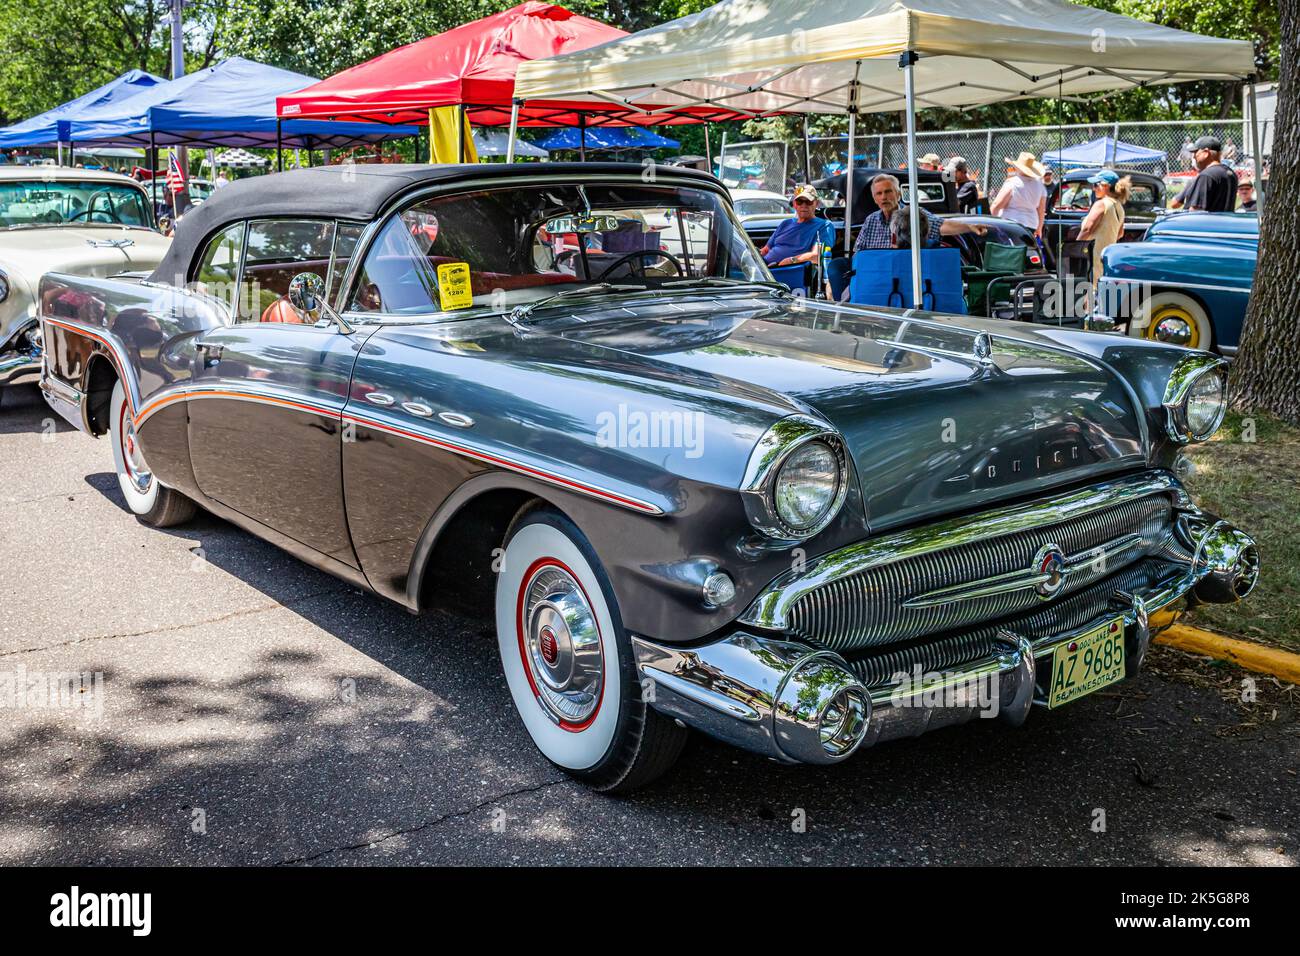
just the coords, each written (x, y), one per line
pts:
(776, 445)
(1116, 280)
(1181, 379)
(1184, 234)
(772, 606)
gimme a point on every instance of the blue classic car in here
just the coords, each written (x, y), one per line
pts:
(572, 402)
(1187, 283)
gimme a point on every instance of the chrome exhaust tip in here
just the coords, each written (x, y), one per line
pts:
(821, 712)
(1229, 561)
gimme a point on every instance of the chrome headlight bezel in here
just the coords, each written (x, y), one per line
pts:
(758, 488)
(5, 285)
(1185, 376)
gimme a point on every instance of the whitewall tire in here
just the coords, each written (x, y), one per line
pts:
(147, 499)
(568, 662)
(1175, 319)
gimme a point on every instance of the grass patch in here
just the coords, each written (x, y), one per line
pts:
(1249, 473)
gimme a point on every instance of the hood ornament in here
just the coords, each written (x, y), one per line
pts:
(984, 348)
(110, 243)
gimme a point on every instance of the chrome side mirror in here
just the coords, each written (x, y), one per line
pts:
(307, 296)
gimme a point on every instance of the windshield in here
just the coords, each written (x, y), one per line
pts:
(52, 203)
(499, 248)
(762, 207)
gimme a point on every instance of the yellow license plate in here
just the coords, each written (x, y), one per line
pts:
(1087, 663)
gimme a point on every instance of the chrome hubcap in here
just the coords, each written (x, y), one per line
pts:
(1174, 330)
(561, 646)
(137, 472)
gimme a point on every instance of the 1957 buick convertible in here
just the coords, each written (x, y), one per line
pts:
(571, 397)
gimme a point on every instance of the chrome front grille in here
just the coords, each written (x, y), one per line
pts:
(870, 608)
(881, 667)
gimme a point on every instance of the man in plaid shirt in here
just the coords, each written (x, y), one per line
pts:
(875, 233)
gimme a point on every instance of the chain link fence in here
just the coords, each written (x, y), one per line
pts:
(777, 166)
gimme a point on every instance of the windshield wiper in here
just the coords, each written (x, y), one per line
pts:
(704, 281)
(520, 313)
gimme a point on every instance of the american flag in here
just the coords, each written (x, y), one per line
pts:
(175, 181)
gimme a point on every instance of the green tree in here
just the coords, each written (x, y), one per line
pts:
(56, 50)
(1266, 375)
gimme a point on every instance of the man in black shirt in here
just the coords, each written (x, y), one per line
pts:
(1215, 187)
(968, 190)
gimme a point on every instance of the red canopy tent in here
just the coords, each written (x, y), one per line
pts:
(473, 65)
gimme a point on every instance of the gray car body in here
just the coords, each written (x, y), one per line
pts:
(374, 493)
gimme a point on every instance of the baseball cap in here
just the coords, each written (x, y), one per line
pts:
(1107, 176)
(1210, 143)
(804, 192)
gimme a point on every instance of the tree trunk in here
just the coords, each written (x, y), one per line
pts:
(1266, 374)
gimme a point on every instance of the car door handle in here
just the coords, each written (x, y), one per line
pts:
(380, 398)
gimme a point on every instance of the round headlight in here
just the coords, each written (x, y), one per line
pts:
(1206, 403)
(1196, 398)
(4, 287)
(807, 486)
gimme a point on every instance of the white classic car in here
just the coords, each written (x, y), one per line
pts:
(56, 219)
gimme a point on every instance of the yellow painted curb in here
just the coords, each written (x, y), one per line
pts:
(1255, 657)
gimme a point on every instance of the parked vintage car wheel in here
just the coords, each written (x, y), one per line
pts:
(569, 662)
(147, 498)
(1176, 319)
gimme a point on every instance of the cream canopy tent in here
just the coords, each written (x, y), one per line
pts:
(789, 56)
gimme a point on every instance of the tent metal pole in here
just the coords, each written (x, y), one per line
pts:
(432, 157)
(907, 61)
(1254, 148)
(848, 165)
(152, 158)
(708, 149)
(279, 151)
(460, 134)
(582, 137)
(514, 131)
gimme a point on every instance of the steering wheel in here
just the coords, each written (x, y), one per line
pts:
(109, 214)
(642, 253)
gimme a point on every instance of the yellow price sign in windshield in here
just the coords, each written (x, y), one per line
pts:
(453, 286)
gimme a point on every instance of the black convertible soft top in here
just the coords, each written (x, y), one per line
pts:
(358, 192)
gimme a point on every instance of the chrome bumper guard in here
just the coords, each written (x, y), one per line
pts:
(796, 703)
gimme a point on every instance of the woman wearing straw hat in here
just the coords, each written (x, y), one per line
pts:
(1022, 197)
(1105, 220)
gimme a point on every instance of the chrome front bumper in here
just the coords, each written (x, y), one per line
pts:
(17, 368)
(796, 703)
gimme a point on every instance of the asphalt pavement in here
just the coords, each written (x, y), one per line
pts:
(252, 710)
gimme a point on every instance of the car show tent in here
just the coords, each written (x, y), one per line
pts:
(1104, 151)
(229, 104)
(51, 128)
(760, 57)
(471, 67)
(496, 142)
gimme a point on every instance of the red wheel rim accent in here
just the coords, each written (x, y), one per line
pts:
(523, 646)
(121, 443)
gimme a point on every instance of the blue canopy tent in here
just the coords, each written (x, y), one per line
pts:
(1104, 151)
(229, 104)
(610, 138)
(52, 127)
